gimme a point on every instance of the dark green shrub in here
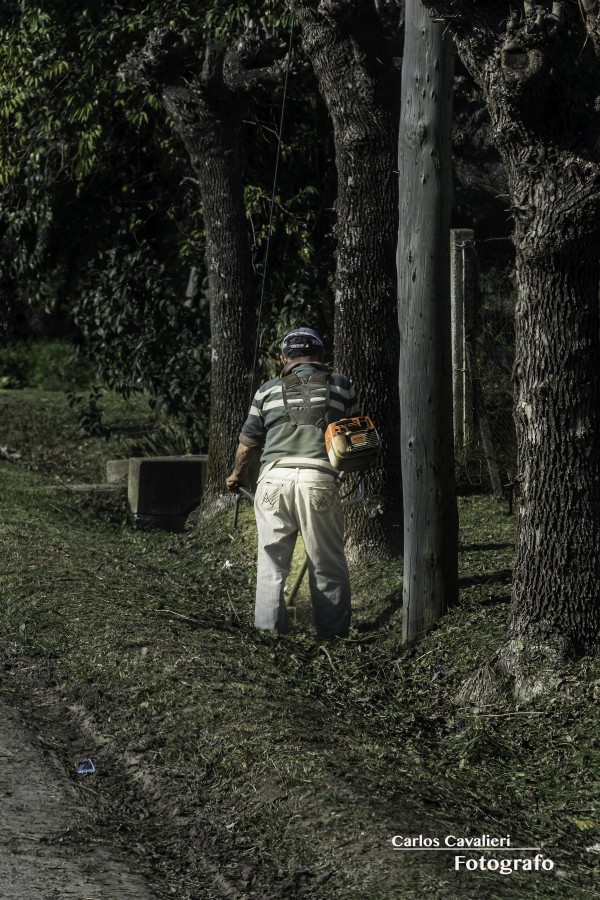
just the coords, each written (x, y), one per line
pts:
(46, 365)
(15, 366)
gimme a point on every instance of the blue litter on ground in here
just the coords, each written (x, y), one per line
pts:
(85, 767)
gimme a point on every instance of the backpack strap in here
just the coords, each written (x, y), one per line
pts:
(322, 379)
(296, 393)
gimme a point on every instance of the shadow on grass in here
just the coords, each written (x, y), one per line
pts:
(502, 576)
(394, 603)
(472, 548)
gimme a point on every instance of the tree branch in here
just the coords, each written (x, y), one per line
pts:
(524, 55)
(239, 78)
(163, 60)
(256, 58)
(338, 12)
(591, 15)
(519, 42)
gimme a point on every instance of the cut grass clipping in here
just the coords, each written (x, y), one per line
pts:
(283, 767)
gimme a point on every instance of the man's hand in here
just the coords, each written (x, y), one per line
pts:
(233, 482)
(238, 477)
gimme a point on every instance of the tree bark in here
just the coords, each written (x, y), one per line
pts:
(540, 80)
(206, 109)
(214, 153)
(556, 587)
(424, 163)
(353, 62)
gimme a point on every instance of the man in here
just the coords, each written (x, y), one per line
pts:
(297, 488)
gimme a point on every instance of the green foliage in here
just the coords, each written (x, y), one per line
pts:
(46, 365)
(89, 415)
(151, 341)
(222, 19)
(79, 165)
(15, 366)
(100, 216)
(171, 440)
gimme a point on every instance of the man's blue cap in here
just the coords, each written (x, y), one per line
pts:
(301, 339)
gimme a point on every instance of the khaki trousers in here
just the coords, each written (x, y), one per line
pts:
(288, 501)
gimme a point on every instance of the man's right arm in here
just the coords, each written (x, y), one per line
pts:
(243, 458)
(251, 441)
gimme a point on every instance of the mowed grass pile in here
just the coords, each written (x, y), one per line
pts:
(262, 767)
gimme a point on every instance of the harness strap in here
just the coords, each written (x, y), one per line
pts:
(303, 413)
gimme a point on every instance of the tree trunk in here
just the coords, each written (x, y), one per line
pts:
(353, 63)
(424, 163)
(556, 587)
(211, 139)
(207, 109)
(540, 77)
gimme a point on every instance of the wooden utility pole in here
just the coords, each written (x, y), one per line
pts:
(427, 447)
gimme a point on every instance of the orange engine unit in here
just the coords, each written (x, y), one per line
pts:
(352, 444)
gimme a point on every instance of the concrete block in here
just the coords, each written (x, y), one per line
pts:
(163, 490)
(117, 470)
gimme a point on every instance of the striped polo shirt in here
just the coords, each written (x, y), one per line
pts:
(285, 438)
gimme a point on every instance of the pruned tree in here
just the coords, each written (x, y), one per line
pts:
(427, 447)
(351, 47)
(538, 67)
(204, 99)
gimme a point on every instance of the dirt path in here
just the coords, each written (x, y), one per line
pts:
(47, 847)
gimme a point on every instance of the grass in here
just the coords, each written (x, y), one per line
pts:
(43, 430)
(264, 767)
